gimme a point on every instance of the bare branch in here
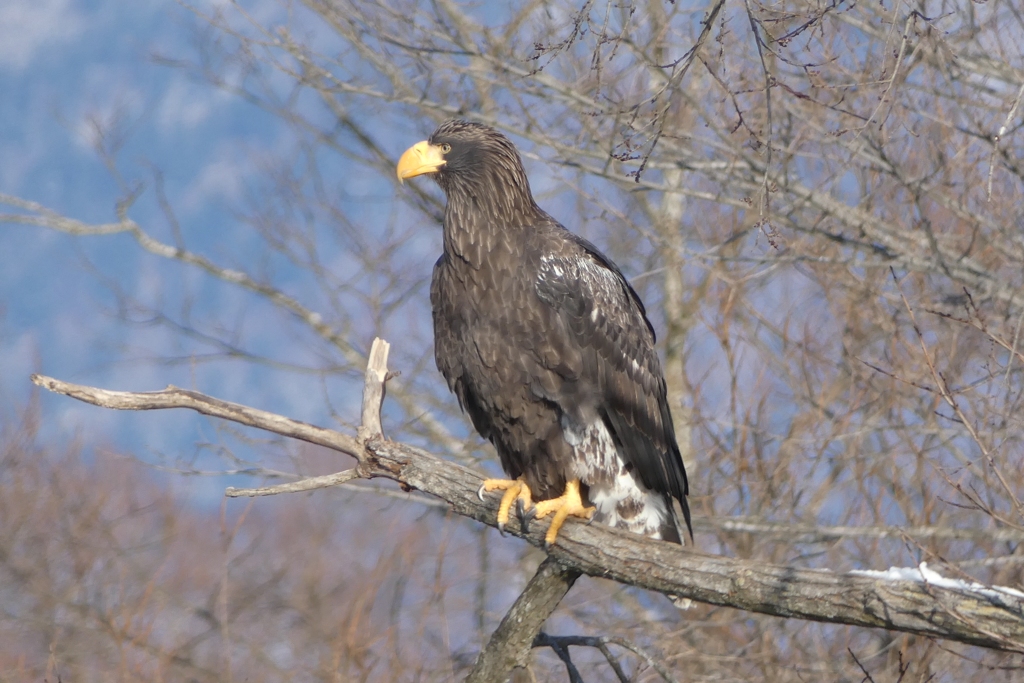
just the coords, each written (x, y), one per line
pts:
(991, 619)
(680, 68)
(947, 395)
(373, 398)
(510, 645)
(811, 533)
(173, 397)
(309, 484)
(600, 643)
(764, 202)
(998, 138)
(373, 390)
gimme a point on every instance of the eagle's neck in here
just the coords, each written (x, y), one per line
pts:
(488, 218)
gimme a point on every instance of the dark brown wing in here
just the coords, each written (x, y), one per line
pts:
(486, 340)
(621, 378)
(448, 331)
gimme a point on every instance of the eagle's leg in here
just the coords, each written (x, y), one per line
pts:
(569, 503)
(516, 491)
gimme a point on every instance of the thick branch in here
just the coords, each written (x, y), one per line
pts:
(510, 645)
(992, 619)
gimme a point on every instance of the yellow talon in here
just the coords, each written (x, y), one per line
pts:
(569, 503)
(515, 489)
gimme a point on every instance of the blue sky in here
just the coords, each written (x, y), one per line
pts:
(64, 67)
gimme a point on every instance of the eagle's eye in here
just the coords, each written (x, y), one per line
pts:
(446, 148)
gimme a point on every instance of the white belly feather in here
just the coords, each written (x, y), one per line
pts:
(621, 499)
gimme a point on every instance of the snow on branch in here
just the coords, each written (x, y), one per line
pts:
(922, 574)
(913, 601)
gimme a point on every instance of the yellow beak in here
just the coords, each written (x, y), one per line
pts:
(421, 158)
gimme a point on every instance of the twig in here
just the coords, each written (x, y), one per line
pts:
(510, 645)
(309, 484)
(911, 19)
(999, 138)
(643, 654)
(946, 394)
(602, 643)
(811, 533)
(563, 654)
(764, 204)
(867, 676)
(674, 81)
(561, 644)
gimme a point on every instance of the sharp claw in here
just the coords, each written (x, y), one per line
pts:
(524, 516)
(480, 492)
(501, 529)
(527, 516)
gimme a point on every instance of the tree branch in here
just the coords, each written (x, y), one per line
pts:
(373, 390)
(812, 533)
(601, 643)
(309, 484)
(510, 645)
(174, 397)
(991, 619)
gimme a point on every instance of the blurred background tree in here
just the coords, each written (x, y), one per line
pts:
(819, 202)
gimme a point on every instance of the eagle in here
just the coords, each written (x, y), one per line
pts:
(547, 347)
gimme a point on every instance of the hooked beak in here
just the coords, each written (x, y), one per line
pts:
(419, 159)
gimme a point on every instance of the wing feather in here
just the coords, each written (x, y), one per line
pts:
(621, 378)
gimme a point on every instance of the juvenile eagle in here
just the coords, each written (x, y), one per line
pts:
(547, 347)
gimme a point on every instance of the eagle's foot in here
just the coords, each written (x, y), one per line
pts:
(569, 503)
(516, 491)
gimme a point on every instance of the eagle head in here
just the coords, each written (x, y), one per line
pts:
(470, 160)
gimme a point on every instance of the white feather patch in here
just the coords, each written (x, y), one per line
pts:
(621, 499)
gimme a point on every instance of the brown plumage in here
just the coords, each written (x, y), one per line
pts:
(545, 343)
